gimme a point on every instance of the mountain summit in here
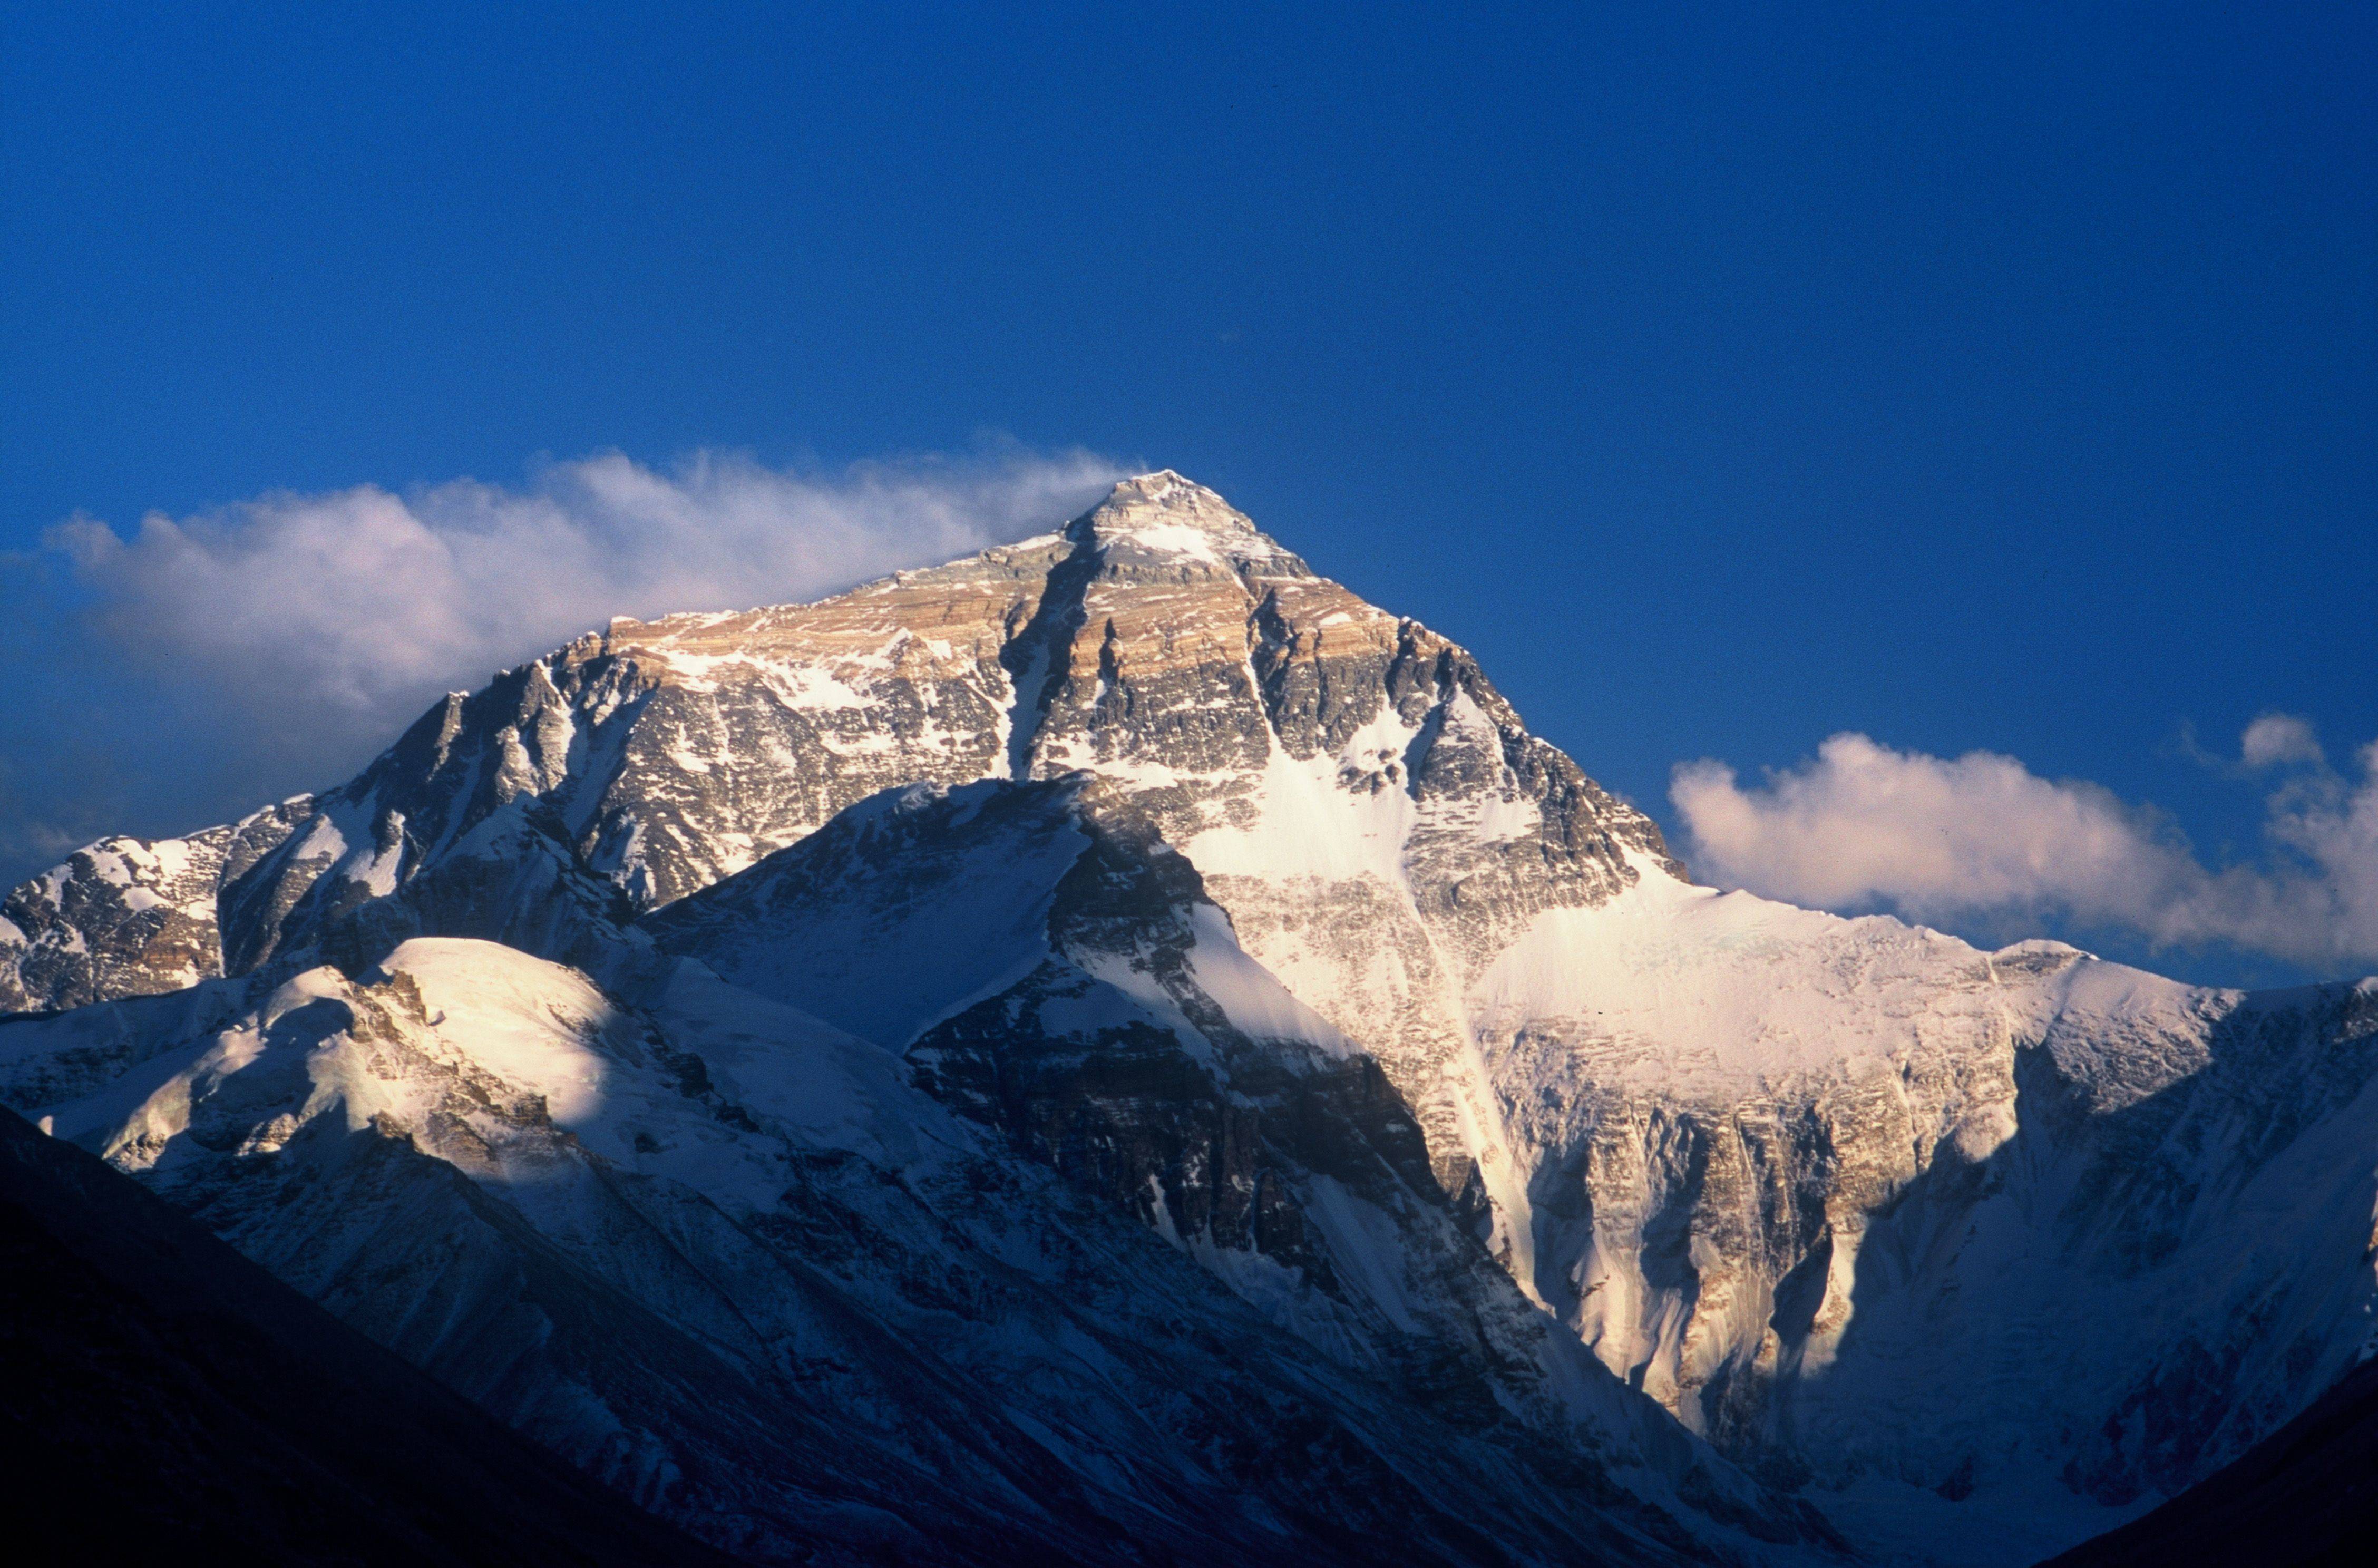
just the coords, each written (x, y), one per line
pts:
(1118, 1046)
(1159, 511)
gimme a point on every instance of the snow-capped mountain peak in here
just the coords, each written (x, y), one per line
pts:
(1164, 522)
(868, 948)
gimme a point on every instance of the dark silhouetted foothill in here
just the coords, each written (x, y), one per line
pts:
(167, 1400)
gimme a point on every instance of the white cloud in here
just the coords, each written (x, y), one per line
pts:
(193, 668)
(2276, 738)
(353, 607)
(1981, 838)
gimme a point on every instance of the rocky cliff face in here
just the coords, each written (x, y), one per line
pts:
(1167, 882)
(130, 917)
(2011, 1241)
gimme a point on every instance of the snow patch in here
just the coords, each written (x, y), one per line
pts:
(522, 1019)
(1710, 992)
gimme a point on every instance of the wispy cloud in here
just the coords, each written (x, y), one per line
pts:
(1982, 839)
(253, 650)
(357, 597)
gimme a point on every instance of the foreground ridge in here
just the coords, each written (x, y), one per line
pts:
(165, 1391)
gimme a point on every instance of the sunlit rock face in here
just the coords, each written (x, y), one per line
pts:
(1368, 809)
(129, 917)
(1156, 884)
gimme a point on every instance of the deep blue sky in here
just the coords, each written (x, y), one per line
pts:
(1974, 377)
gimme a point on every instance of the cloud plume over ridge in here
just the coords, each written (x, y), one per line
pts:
(1980, 838)
(211, 662)
(361, 597)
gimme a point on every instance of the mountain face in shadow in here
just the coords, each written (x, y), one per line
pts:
(2304, 1497)
(166, 1397)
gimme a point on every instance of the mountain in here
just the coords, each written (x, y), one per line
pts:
(167, 1397)
(2307, 1494)
(1117, 1044)
(731, 1260)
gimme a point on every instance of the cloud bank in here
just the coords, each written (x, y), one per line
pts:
(222, 659)
(1980, 838)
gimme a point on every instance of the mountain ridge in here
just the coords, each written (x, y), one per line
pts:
(1254, 916)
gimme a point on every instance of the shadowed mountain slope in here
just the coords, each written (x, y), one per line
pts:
(2304, 1497)
(166, 1398)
